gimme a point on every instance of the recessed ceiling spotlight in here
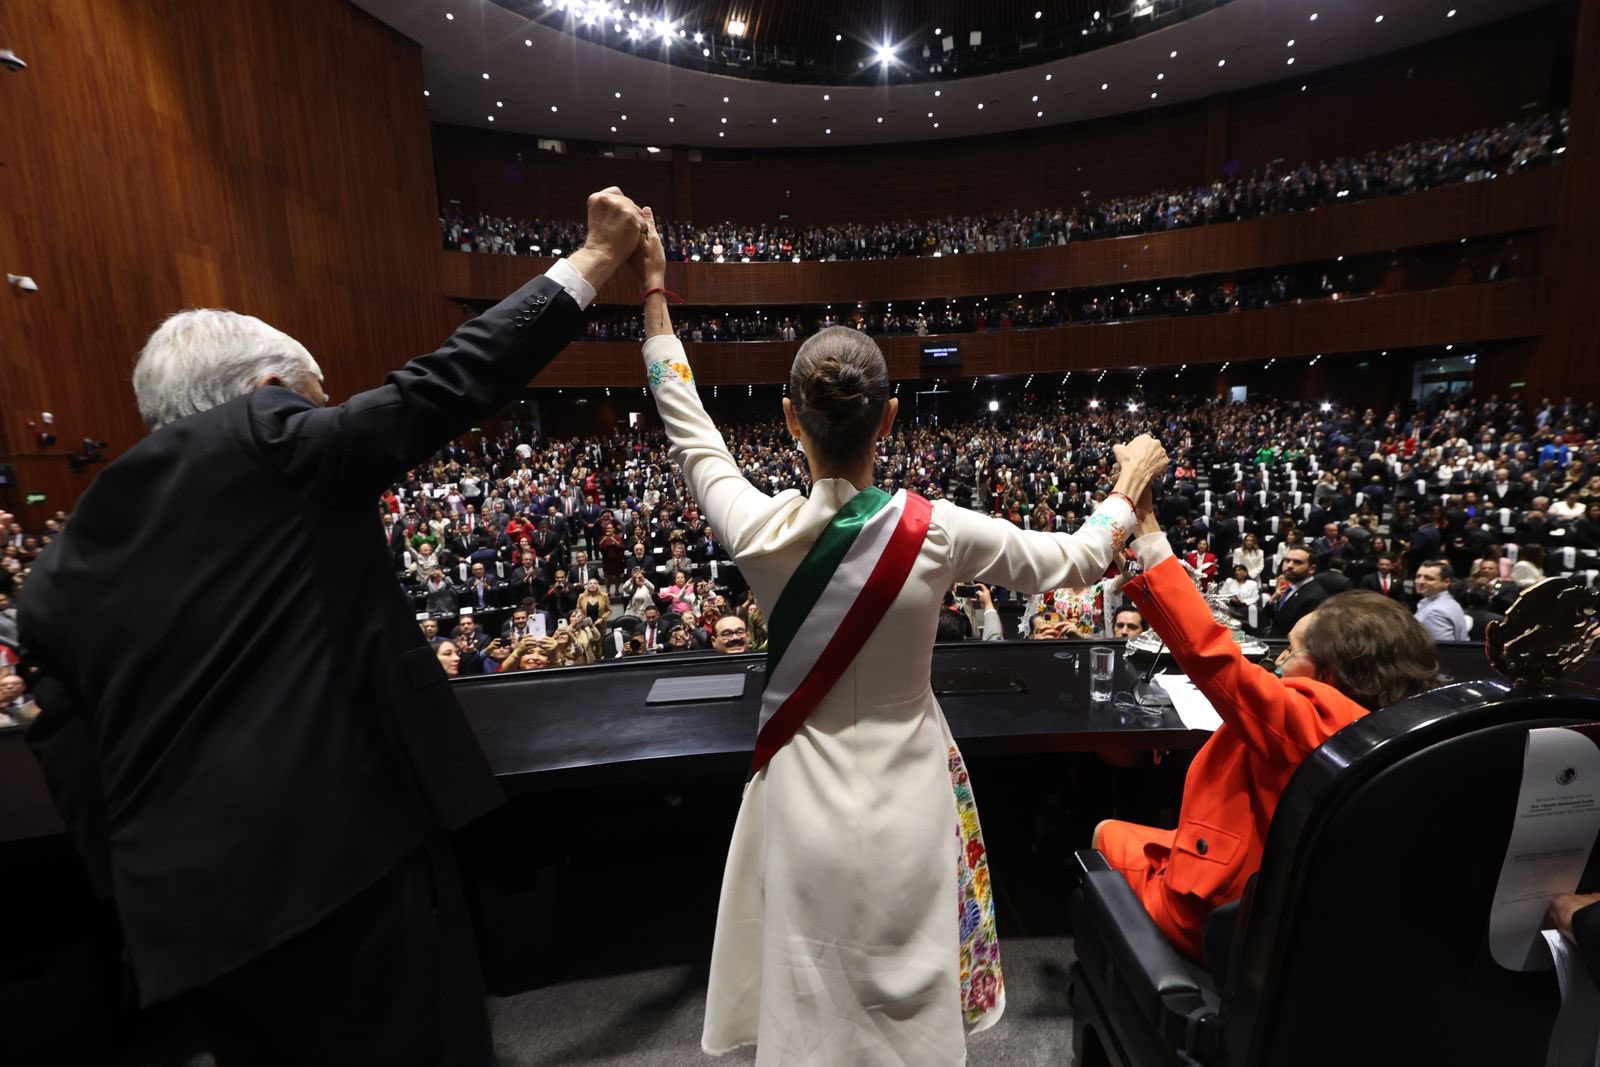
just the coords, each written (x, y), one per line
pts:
(724, 100)
(1290, 63)
(838, 37)
(826, 97)
(1041, 114)
(1173, 54)
(1302, 88)
(528, 41)
(1104, 86)
(671, 118)
(1222, 62)
(1161, 77)
(721, 134)
(885, 54)
(449, 17)
(1038, 14)
(938, 31)
(880, 118)
(736, 27)
(1035, 100)
(936, 125)
(624, 118)
(485, 75)
(491, 118)
(699, 37)
(1152, 96)
(1450, 14)
(938, 92)
(724, 120)
(705, 52)
(930, 114)
(617, 95)
(828, 131)
(774, 120)
(633, 35)
(1313, 17)
(426, 93)
(1378, 19)
(499, 103)
(1290, 44)
(1047, 77)
(980, 106)
(613, 129)
(552, 107)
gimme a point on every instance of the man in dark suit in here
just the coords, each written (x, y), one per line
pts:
(270, 816)
(1387, 579)
(1302, 595)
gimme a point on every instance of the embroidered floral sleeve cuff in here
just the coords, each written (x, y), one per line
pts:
(1115, 515)
(664, 361)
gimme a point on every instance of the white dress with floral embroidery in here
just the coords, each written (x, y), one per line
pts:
(856, 923)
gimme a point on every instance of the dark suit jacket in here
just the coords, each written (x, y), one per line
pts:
(1397, 590)
(239, 751)
(1301, 604)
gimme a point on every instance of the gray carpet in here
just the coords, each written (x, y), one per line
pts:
(652, 1018)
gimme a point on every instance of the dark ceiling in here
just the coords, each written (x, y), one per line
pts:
(814, 24)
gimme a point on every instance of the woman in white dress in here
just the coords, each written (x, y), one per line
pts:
(856, 924)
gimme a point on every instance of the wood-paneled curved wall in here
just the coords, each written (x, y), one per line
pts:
(1506, 205)
(1466, 313)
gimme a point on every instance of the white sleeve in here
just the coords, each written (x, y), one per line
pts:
(992, 628)
(577, 286)
(994, 551)
(733, 505)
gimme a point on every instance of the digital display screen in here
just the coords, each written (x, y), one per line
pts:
(939, 354)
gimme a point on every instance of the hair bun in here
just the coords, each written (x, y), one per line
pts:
(839, 389)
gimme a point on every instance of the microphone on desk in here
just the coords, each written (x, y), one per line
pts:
(1148, 694)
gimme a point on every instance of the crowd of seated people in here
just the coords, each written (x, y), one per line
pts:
(577, 550)
(1247, 291)
(1514, 146)
(1449, 509)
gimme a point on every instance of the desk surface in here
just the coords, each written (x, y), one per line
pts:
(585, 726)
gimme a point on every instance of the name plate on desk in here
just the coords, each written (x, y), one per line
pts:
(969, 680)
(696, 689)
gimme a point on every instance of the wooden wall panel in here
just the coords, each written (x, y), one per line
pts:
(268, 157)
(1508, 205)
(1468, 313)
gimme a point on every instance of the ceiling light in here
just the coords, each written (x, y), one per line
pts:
(885, 54)
(633, 35)
(1035, 100)
(828, 131)
(1450, 14)
(698, 37)
(1222, 62)
(499, 103)
(1041, 115)
(426, 93)
(1378, 19)
(938, 92)
(939, 31)
(449, 17)
(552, 107)
(491, 118)
(826, 97)
(1097, 16)
(1047, 77)
(724, 100)
(1161, 77)
(724, 120)
(624, 118)
(485, 75)
(1173, 54)
(617, 95)
(721, 134)
(671, 118)
(705, 51)
(980, 107)
(930, 114)
(736, 27)
(1290, 63)
(652, 151)
(838, 37)
(613, 129)
(1104, 86)
(1152, 96)
(1313, 17)
(774, 120)
(1290, 44)
(1302, 88)
(936, 126)
(880, 118)
(528, 41)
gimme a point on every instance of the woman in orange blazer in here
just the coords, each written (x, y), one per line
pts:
(1357, 652)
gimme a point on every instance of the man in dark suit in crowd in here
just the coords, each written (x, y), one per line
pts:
(268, 807)
(1302, 594)
(1387, 579)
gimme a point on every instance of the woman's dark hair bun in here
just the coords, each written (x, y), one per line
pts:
(839, 384)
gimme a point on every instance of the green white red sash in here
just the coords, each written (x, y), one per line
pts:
(832, 604)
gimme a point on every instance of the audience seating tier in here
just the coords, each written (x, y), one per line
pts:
(1505, 205)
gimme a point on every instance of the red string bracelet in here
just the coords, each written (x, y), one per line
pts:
(668, 293)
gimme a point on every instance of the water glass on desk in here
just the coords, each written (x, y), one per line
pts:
(1102, 667)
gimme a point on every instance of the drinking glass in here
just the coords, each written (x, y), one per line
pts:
(1102, 665)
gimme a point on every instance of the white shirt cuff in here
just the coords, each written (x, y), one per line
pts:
(570, 279)
(1151, 549)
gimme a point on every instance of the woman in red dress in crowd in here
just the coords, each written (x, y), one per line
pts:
(612, 556)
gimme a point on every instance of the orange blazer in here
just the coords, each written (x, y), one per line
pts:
(1269, 725)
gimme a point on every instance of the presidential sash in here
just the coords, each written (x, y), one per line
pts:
(832, 604)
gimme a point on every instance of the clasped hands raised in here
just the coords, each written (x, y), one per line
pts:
(619, 231)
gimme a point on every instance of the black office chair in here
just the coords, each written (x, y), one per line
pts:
(1363, 938)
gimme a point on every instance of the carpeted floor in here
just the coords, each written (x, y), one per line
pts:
(652, 1018)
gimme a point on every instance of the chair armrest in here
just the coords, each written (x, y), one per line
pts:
(1176, 995)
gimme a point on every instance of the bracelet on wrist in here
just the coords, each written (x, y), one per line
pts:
(1131, 505)
(664, 291)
